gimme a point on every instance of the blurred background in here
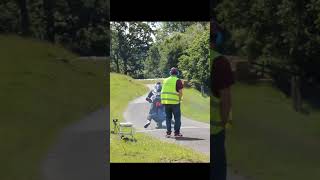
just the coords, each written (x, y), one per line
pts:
(273, 49)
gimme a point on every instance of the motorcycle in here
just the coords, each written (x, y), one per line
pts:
(157, 111)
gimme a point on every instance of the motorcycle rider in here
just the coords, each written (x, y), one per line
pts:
(153, 94)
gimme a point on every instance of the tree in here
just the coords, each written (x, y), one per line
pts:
(49, 19)
(284, 32)
(134, 53)
(194, 64)
(170, 50)
(24, 17)
(151, 64)
(134, 41)
(81, 26)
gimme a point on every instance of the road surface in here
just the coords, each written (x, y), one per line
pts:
(81, 151)
(196, 134)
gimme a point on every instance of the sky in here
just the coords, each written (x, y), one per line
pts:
(157, 26)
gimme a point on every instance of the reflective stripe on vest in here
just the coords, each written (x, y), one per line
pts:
(169, 94)
(216, 121)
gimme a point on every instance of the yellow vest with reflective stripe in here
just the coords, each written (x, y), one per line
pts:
(169, 94)
(215, 116)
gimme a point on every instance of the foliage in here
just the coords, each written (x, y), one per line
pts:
(286, 30)
(175, 44)
(82, 26)
(130, 45)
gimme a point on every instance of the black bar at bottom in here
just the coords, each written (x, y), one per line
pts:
(166, 171)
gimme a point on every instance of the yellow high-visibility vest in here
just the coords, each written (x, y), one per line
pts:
(169, 94)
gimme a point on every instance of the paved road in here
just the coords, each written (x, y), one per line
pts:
(81, 151)
(196, 134)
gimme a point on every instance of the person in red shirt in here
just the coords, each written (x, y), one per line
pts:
(152, 96)
(221, 82)
(172, 107)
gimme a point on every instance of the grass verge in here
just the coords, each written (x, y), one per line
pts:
(195, 106)
(269, 140)
(43, 88)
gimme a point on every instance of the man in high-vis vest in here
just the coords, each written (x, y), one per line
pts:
(220, 102)
(171, 95)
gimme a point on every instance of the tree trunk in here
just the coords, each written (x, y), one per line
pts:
(298, 94)
(117, 64)
(24, 17)
(125, 69)
(263, 69)
(293, 92)
(49, 19)
(202, 90)
(116, 60)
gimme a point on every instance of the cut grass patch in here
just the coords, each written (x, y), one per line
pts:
(148, 150)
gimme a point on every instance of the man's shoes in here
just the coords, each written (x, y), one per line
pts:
(147, 124)
(168, 135)
(177, 134)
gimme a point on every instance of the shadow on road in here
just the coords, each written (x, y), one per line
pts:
(188, 139)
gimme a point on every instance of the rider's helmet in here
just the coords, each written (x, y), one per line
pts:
(157, 87)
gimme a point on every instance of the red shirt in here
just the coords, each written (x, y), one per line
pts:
(221, 76)
(179, 85)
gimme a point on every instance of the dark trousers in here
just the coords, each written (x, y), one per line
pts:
(175, 110)
(218, 170)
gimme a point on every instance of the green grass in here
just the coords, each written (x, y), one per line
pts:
(195, 106)
(40, 95)
(151, 150)
(146, 149)
(269, 140)
(122, 90)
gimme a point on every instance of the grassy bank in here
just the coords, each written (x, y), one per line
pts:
(195, 106)
(43, 89)
(146, 149)
(122, 90)
(269, 140)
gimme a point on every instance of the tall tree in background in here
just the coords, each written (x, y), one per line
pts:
(79, 25)
(151, 64)
(49, 19)
(285, 33)
(170, 50)
(194, 64)
(24, 17)
(115, 56)
(134, 53)
(130, 45)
